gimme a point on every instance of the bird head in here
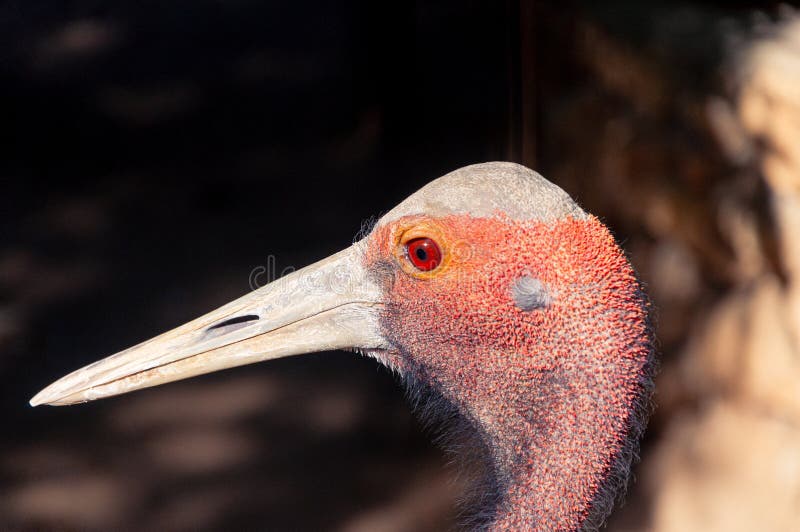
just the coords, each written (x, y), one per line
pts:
(502, 304)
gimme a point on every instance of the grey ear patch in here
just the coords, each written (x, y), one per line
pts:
(529, 293)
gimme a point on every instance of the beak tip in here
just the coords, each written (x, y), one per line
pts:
(44, 397)
(36, 401)
(39, 399)
(57, 395)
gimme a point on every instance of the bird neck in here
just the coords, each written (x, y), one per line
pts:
(557, 394)
(563, 458)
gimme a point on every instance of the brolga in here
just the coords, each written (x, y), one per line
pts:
(511, 314)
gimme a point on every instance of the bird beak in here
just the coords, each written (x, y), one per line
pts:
(332, 304)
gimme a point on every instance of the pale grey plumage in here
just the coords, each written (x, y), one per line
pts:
(486, 189)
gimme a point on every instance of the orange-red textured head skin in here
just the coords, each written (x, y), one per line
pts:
(554, 391)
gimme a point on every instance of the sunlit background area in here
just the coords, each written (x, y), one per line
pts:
(155, 154)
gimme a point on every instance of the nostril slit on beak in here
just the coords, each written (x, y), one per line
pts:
(232, 324)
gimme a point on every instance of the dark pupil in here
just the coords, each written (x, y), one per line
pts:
(422, 254)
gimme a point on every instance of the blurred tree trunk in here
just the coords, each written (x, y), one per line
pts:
(700, 180)
(732, 460)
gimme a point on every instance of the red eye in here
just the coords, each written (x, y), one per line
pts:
(424, 254)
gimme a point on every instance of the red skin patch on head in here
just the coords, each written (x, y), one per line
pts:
(552, 389)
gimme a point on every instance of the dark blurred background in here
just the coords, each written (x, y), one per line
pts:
(155, 153)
